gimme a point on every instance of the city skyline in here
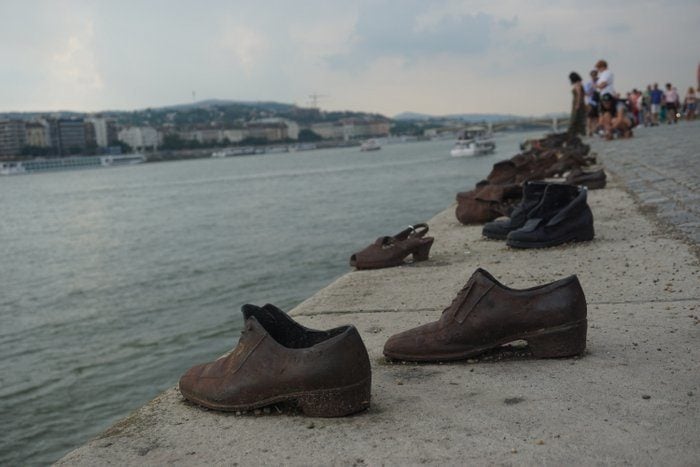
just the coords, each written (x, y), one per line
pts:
(388, 57)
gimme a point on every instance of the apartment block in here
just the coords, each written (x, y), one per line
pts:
(105, 131)
(67, 135)
(37, 134)
(140, 138)
(332, 130)
(12, 137)
(271, 131)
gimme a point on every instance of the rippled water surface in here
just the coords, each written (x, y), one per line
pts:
(113, 282)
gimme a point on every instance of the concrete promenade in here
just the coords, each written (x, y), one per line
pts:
(633, 398)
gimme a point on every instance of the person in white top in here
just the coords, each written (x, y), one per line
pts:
(671, 102)
(605, 78)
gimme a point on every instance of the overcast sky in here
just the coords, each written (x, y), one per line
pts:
(428, 56)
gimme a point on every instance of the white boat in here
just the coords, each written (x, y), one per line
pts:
(370, 145)
(303, 147)
(242, 151)
(472, 147)
(276, 149)
(68, 163)
(474, 141)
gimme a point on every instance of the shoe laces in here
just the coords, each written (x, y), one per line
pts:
(461, 296)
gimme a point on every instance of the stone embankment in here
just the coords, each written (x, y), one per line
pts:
(633, 398)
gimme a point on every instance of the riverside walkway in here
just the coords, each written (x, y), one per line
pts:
(633, 398)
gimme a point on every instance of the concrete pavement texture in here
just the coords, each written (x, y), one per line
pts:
(632, 398)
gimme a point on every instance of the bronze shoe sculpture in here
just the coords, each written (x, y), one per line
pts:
(486, 314)
(500, 228)
(326, 373)
(562, 216)
(592, 180)
(486, 203)
(386, 252)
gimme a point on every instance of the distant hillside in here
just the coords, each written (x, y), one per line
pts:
(413, 116)
(209, 103)
(210, 112)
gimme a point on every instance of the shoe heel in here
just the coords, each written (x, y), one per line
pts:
(336, 402)
(560, 343)
(423, 251)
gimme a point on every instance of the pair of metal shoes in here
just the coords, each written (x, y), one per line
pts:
(327, 373)
(549, 214)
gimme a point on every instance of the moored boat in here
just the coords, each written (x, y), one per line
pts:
(68, 163)
(370, 145)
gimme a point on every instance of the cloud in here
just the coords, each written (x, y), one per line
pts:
(388, 30)
(73, 65)
(247, 46)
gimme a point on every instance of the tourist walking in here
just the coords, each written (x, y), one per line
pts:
(690, 104)
(577, 122)
(592, 101)
(671, 104)
(655, 101)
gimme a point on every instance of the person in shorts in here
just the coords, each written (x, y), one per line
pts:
(671, 104)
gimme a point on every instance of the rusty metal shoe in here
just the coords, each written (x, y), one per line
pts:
(325, 373)
(386, 252)
(486, 314)
(486, 203)
(591, 180)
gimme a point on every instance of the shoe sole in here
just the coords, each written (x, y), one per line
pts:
(334, 402)
(567, 340)
(491, 236)
(577, 237)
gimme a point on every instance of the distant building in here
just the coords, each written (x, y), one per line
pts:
(268, 130)
(90, 141)
(37, 134)
(140, 138)
(358, 128)
(207, 136)
(105, 131)
(330, 130)
(234, 135)
(352, 128)
(67, 135)
(12, 137)
(292, 127)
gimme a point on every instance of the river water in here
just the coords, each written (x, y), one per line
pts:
(115, 281)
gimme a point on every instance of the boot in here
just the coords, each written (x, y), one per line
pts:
(561, 216)
(532, 194)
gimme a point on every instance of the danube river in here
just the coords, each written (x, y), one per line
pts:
(115, 281)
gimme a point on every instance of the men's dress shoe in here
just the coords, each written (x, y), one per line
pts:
(326, 373)
(486, 314)
(561, 216)
(387, 251)
(499, 229)
(591, 180)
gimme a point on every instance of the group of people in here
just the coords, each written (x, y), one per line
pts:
(598, 109)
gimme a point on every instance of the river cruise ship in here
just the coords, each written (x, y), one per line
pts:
(68, 163)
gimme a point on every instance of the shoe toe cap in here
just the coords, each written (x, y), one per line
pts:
(409, 345)
(189, 382)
